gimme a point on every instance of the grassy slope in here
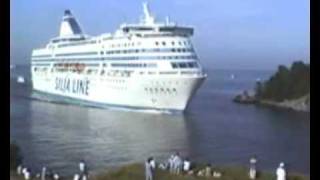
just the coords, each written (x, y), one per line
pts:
(136, 172)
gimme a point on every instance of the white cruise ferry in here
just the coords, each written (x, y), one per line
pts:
(148, 65)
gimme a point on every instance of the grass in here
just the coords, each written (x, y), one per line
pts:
(136, 172)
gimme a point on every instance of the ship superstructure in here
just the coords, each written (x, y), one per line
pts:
(149, 65)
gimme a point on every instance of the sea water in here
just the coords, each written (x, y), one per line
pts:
(58, 133)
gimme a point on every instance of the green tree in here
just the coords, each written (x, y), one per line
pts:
(286, 83)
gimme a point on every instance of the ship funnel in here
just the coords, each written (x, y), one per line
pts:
(69, 25)
(148, 18)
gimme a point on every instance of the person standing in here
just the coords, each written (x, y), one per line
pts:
(152, 163)
(281, 172)
(56, 176)
(27, 174)
(207, 171)
(171, 164)
(148, 169)
(83, 170)
(76, 177)
(82, 166)
(19, 169)
(253, 170)
(177, 163)
(43, 173)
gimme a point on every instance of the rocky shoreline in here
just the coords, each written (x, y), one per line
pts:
(301, 104)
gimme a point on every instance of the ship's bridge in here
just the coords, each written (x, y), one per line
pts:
(157, 30)
(148, 26)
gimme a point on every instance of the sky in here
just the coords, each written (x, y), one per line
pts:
(228, 34)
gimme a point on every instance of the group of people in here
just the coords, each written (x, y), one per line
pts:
(44, 174)
(47, 174)
(176, 165)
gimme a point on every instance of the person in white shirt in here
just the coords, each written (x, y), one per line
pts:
(152, 163)
(253, 171)
(186, 165)
(82, 166)
(148, 170)
(76, 177)
(207, 170)
(84, 177)
(27, 174)
(24, 170)
(19, 169)
(171, 164)
(177, 163)
(281, 172)
(56, 176)
(43, 173)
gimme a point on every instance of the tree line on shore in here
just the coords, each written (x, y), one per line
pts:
(286, 84)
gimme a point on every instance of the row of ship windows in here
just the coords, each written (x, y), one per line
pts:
(75, 54)
(122, 52)
(134, 65)
(132, 44)
(169, 90)
(176, 65)
(102, 72)
(77, 44)
(157, 43)
(173, 43)
(120, 58)
(150, 57)
(148, 50)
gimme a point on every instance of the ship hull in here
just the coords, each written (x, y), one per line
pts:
(141, 92)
